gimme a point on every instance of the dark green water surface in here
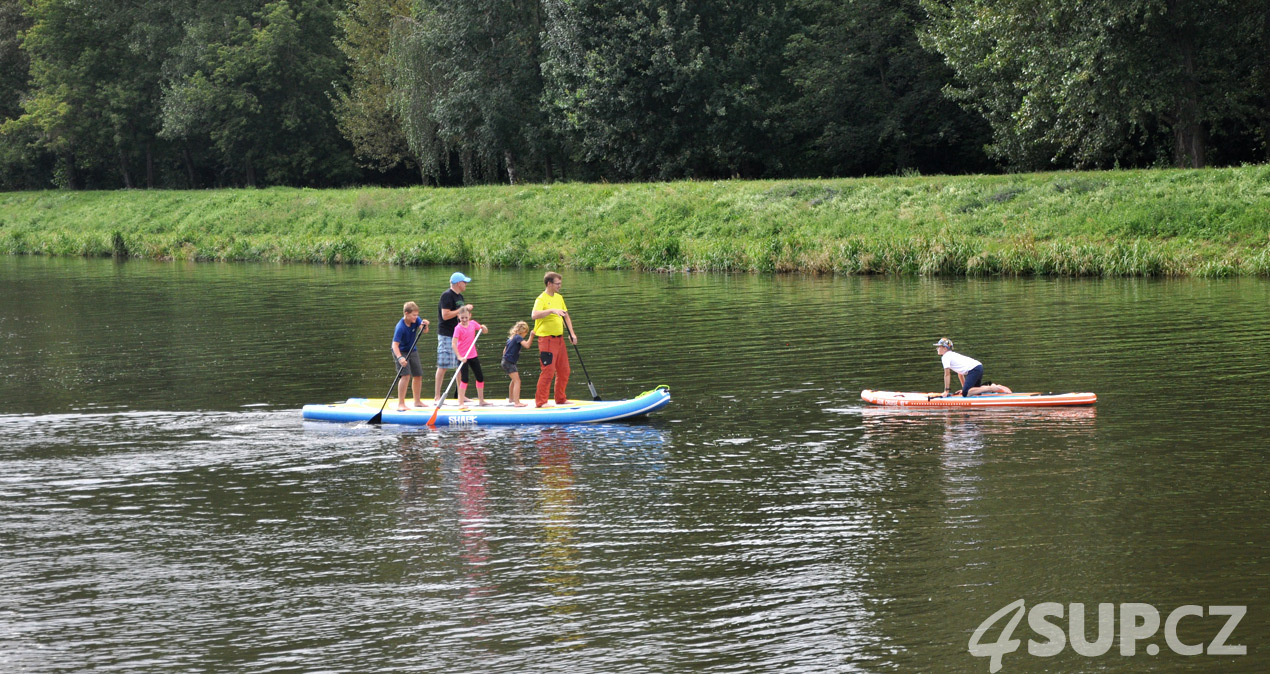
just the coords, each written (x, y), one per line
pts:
(163, 508)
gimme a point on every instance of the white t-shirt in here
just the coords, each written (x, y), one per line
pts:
(958, 363)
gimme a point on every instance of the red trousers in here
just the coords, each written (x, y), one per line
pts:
(557, 367)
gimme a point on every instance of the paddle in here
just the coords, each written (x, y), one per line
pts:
(594, 395)
(432, 420)
(379, 416)
(1016, 394)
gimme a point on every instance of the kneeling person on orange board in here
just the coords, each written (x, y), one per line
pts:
(968, 369)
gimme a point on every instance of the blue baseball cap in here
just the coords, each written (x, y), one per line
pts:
(458, 276)
(944, 342)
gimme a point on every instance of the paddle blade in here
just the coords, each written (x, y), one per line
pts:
(377, 419)
(432, 420)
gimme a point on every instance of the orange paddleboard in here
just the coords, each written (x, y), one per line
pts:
(918, 399)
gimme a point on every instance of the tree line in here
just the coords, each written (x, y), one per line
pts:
(107, 94)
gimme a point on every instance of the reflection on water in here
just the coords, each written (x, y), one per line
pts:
(472, 516)
(964, 436)
(557, 505)
(964, 430)
(164, 509)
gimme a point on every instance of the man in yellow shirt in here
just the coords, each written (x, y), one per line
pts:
(551, 316)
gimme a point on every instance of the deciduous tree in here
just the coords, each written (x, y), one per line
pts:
(467, 84)
(650, 89)
(869, 97)
(1089, 81)
(363, 105)
(256, 85)
(94, 86)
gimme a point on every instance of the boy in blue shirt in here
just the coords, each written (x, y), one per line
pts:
(405, 354)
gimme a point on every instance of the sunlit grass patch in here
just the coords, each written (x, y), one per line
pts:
(1121, 223)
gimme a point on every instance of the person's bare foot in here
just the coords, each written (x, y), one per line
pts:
(418, 403)
(519, 405)
(484, 404)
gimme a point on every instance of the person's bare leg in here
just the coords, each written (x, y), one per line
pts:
(990, 388)
(513, 390)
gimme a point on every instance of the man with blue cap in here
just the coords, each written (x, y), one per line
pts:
(447, 319)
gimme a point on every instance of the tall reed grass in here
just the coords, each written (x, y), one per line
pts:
(1211, 222)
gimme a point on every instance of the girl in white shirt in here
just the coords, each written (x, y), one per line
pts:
(968, 369)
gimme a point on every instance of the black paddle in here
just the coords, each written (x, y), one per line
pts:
(594, 395)
(379, 416)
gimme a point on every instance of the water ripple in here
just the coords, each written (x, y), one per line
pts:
(174, 514)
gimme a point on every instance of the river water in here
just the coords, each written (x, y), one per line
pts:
(163, 508)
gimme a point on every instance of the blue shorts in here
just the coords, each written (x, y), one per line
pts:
(445, 353)
(973, 378)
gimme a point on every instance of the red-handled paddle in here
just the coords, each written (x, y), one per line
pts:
(432, 420)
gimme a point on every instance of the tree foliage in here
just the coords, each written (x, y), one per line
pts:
(870, 99)
(686, 88)
(466, 78)
(257, 90)
(204, 93)
(14, 64)
(94, 83)
(362, 106)
(22, 164)
(1092, 82)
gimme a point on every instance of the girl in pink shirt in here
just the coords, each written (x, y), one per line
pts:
(465, 348)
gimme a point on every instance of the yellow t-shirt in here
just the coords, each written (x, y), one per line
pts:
(553, 325)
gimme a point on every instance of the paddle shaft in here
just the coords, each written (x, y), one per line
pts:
(1016, 394)
(589, 385)
(379, 416)
(432, 420)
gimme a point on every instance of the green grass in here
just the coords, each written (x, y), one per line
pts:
(1211, 222)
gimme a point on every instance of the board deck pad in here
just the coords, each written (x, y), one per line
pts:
(928, 399)
(498, 412)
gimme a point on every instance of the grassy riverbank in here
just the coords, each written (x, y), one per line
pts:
(1212, 222)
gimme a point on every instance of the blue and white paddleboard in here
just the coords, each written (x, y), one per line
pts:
(497, 413)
